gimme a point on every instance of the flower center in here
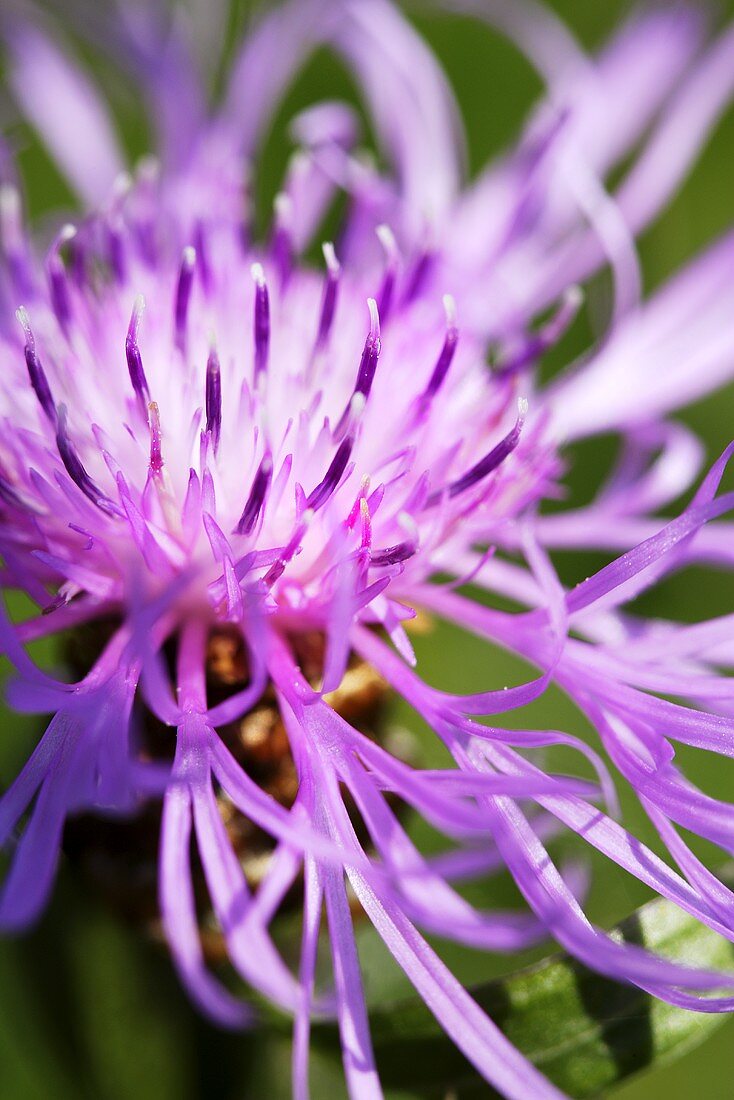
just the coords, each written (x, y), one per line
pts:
(119, 855)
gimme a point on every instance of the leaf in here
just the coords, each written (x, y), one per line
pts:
(91, 1011)
(585, 1032)
(24, 1033)
(133, 1026)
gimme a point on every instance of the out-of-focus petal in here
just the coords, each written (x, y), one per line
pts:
(677, 348)
(688, 121)
(65, 108)
(411, 104)
(269, 59)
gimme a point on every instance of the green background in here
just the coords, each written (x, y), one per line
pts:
(90, 1009)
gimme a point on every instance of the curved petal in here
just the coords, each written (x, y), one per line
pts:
(65, 108)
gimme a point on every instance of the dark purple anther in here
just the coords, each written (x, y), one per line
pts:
(132, 352)
(115, 231)
(282, 243)
(202, 256)
(116, 251)
(183, 296)
(491, 460)
(393, 555)
(447, 351)
(418, 273)
(74, 467)
(365, 374)
(58, 282)
(386, 292)
(370, 353)
(256, 499)
(78, 261)
(14, 243)
(36, 372)
(58, 291)
(261, 326)
(213, 398)
(333, 475)
(277, 569)
(156, 453)
(328, 300)
(548, 335)
(401, 551)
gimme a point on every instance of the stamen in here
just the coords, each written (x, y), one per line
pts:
(148, 174)
(333, 475)
(57, 278)
(366, 524)
(122, 185)
(550, 333)
(393, 555)
(328, 301)
(353, 414)
(261, 328)
(132, 353)
(492, 460)
(277, 569)
(36, 373)
(13, 238)
(370, 353)
(365, 374)
(213, 398)
(75, 468)
(78, 261)
(447, 351)
(156, 455)
(282, 246)
(357, 506)
(392, 257)
(417, 276)
(114, 227)
(11, 218)
(115, 249)
(183, 296)
(256, 499)
(202, 255)
(401, 551)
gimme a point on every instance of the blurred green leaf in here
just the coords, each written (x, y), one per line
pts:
(24, 1074)
(585, 1032)
(134, 1033)
(92, 1011)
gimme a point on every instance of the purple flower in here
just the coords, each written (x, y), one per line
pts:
(209, 438)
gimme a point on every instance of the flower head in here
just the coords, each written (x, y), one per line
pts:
(208, 440)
